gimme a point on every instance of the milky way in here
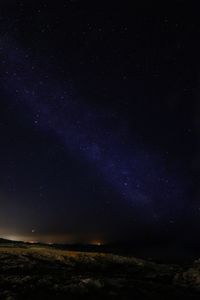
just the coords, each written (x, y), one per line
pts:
(98, 122)
(136, 174)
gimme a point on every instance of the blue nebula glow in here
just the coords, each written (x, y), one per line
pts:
(137, 175)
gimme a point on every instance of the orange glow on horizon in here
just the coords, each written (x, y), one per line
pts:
(96, 242)
(51, 238)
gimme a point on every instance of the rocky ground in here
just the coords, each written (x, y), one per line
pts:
(42, 272)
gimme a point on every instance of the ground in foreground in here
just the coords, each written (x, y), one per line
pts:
(37, 272)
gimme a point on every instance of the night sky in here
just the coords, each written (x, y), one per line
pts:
(99, 121)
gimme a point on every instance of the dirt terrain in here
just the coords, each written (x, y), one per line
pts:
(42, 272)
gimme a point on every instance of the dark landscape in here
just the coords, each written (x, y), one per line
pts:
(99, 150)
(36, 271)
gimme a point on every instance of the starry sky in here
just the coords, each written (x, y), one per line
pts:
(99, 121)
